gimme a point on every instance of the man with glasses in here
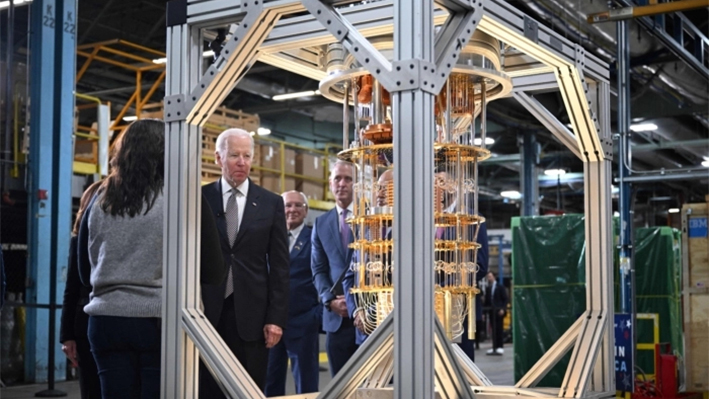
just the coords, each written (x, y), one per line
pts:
(301, 336)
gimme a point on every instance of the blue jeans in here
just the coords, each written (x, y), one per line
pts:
(127, 354)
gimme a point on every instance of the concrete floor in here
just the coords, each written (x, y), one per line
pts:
(499, 369)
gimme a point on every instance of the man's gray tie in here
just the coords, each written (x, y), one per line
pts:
(290, 240)
(232, 227)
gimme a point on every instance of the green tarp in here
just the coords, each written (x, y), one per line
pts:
(549, 294)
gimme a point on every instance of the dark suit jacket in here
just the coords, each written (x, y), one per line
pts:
(499, 297)
(328, 261)
(74, 322)
(304, 310)
(259, 258)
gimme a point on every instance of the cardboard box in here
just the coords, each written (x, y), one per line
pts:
(311, 189)
(309, 165)
(273, 183)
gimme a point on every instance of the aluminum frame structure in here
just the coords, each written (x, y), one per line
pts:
(423, 360)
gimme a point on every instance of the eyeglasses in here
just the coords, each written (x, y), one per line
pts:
(295, 205)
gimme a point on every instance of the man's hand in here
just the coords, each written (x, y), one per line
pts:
(359, 320)
(272, 333)
(69, 349)
(339, 306)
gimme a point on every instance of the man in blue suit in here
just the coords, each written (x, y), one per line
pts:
(301, 335)
(330, 259)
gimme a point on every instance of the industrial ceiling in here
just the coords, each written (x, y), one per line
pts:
(666, 92)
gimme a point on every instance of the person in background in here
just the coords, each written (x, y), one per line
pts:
(249, 309)
(73, 333)
(496, 299)
(331, 257)
(300, 340)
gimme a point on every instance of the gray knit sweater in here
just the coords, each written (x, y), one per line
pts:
(126, 262)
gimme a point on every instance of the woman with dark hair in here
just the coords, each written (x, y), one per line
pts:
(124, 247)
(74, 322)
(120, 252)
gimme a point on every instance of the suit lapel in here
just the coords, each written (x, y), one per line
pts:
(213, 194)
(300, 241)
(251, 207)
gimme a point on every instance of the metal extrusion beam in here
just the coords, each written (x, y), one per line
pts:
(551, 357)
(182, 220)
(451, 379)
(474, 374)
(229, 373)
(284, 61)
(237, 54)
(544, 81)
(412, 118)
(516, 29)
(370, 354)
(543, 115)
(451, 40)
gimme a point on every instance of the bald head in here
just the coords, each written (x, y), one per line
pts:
(385, 179)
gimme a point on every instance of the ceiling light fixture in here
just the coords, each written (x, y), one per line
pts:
(290, 96)
(130, 118)
(705, 163)
(6, 4)
(673, 210)
(263, 131)
(643, 127)
(511, 194)
(488, 141)
(555, 172)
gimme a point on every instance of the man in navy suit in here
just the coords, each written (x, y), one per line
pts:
(249, 309)
(330, 259)
(301, 336)
(450, 202)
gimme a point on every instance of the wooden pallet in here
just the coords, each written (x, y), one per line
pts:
(695, 282)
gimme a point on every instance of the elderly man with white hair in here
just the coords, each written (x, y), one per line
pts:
(249, 309)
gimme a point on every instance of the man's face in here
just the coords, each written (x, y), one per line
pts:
(490, 278)
(296, 210)
(384, 181)
(341, 184)
(236, 160)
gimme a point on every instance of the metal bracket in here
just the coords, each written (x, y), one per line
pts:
(607, 145)
(580, 58)
(531, 29)
(175, 108)
(451, 40)
(412, 74)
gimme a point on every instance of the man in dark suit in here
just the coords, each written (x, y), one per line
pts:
(249, 309)
(330, 259)
(301, 336)
(496, 299)
(481, 258)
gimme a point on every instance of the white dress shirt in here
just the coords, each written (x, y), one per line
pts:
(295, 233)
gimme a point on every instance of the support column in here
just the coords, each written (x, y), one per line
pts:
(50, 210)
(413, 209)
(530, 182)
(624, 164)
